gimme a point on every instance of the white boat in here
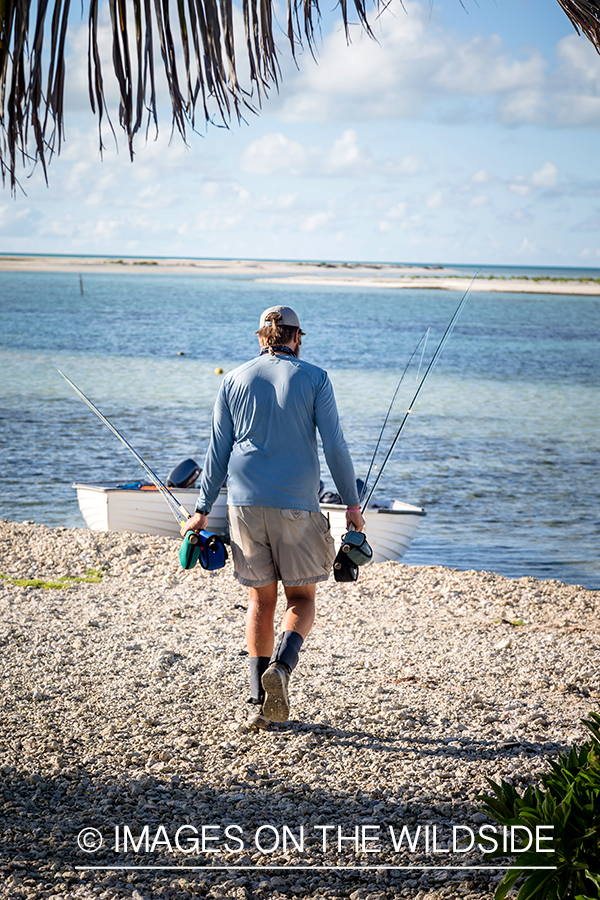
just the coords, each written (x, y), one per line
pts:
(110, 507)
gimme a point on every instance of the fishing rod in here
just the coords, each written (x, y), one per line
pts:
(429, 369)
(423, 340)
(177, 508)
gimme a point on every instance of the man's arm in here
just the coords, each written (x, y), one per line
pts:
(337, 454)
(215, 464)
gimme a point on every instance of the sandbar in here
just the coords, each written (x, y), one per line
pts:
(317, 274)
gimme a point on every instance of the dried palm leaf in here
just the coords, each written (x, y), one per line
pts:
(585, 16)
(198, 56)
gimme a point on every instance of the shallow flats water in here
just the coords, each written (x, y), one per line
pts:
(123, 738)
(501, 450)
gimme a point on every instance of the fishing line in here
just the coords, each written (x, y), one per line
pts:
(423, 341)
(178, 510)
(429, 369)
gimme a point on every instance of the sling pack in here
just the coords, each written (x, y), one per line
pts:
(204, 547)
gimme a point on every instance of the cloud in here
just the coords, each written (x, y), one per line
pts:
(544, 177)
(275, 154)
(478, 201)
(590, 224)
(526, 248)
(316, 222)
(347, 157)
(417, 69)
(435, 200)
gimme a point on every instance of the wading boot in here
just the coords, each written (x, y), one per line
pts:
(276, 705)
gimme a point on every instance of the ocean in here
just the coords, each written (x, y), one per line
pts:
(502, 449)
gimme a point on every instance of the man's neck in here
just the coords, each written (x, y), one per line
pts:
(284, 349)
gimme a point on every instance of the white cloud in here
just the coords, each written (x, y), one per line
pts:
(316, 222)
(410, 164)
(478, 201)
(546, 176)
(347, 156)
(416, 68)
(435, 200)
(519, 187)
(526, 248)
(275, 153)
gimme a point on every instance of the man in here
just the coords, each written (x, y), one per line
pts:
(263, 438)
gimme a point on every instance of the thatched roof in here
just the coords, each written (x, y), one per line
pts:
(195, 40)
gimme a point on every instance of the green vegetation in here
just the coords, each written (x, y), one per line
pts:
(92, 576)
(570, 804)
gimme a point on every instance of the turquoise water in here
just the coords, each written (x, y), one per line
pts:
(502, 450)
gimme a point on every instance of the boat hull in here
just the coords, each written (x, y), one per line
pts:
(105, 507)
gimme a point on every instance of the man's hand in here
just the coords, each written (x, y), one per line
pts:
(196, 523)
(355, 517)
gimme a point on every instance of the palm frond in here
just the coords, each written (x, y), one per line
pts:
(195, 41)
(585, 16)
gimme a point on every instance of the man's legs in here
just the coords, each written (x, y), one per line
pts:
(300, 613)
(296, 624)
(260, 632)
(260, 638)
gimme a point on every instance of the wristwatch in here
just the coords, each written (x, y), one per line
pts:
(201, 512)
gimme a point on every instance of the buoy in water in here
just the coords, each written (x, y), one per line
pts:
(180, 353)
(218, 370)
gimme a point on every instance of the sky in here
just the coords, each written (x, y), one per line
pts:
(462, 134)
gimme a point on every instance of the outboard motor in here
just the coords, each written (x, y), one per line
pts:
(184, 474)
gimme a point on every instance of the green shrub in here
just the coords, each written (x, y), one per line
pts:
(571, 804)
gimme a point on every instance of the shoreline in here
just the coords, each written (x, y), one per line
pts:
(365, 275)
(125, 701)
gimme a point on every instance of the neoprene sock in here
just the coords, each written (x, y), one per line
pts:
(287, 648)
(258, 666)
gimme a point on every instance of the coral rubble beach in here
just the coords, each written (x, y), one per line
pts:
(371, 275)
(123, 704)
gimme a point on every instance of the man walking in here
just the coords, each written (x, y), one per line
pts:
(263, 438)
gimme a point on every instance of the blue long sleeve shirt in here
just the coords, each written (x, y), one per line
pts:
(263, 437)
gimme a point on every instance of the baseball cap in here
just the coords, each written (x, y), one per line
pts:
(288, 316)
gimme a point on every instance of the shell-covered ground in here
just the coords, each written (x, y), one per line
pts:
(127, 769)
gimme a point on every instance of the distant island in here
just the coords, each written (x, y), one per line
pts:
(391, 276)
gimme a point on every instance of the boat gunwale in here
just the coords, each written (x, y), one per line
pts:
(411, 511)
(109, 487)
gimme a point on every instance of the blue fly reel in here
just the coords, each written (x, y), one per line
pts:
(204, 547)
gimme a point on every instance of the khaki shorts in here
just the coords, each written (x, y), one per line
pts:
(293, 546)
